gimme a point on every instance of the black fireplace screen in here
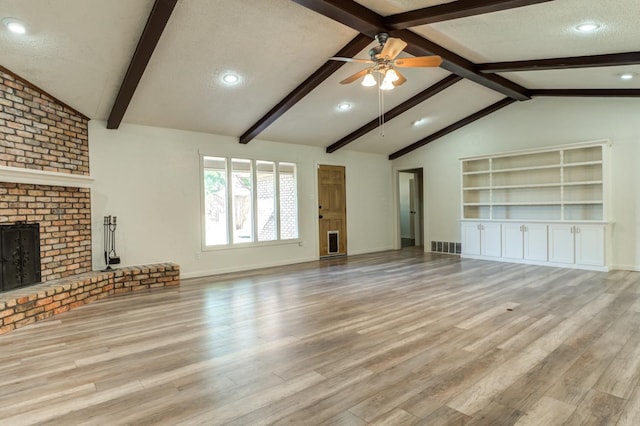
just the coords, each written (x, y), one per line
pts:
(20, 255)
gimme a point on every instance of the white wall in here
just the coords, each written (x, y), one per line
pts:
(537, 123)
(150, 179)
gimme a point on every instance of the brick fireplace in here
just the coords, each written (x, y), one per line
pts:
(44, 169)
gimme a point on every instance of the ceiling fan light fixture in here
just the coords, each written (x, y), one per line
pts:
(14, 25)
(391, 75)
(386, 84)
(369, 80)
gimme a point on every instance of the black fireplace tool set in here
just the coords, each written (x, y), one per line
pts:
(110, 256)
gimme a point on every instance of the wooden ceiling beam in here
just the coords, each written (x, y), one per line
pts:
(156, 23)
(608, 60)
(455, 126)
(453, 10)
(419, 46)
(348, 13)
(403, 107)
(361, 19)
(351, 49)
(588, 93)
(369, 23)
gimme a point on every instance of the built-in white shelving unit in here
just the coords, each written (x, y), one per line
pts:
(557, 185)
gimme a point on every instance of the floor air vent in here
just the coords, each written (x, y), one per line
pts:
(446, 247)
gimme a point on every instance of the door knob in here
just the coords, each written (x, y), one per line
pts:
(320, 217)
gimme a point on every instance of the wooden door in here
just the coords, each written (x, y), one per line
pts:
(332, 210)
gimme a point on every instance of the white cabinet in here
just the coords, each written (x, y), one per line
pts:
(577, 244)
(545, 206)
(470, 238)
(561, 244)
(481, 239)
(572, 245)
(535, 242)
(526, 241)
(590, 245)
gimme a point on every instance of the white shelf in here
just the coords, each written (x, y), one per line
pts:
(542, 185)
(541, 203)
(557, 184)
(584, 163)
(481, 172)
(583, 183)
(526, 169)
(585, 202)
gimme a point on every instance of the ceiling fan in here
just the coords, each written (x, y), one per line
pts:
(384, 63)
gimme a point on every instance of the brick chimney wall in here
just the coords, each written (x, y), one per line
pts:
(39, 132)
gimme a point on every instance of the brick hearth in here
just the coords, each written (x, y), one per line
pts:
(28, 305)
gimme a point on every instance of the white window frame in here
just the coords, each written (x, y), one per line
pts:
(254, 177)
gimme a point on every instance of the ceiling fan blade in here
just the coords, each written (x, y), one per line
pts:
(420, 61)
(363, 61)
(392, 48)
(355, 76)
(401, 79)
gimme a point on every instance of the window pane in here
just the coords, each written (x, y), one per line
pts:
(242, 191)
(288, 201)
(215, 201)
(266, 191)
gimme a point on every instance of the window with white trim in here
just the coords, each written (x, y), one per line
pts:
(249, 201)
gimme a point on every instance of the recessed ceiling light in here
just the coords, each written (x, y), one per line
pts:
(420, 122)
(628, 76)
(230, 79)
(344, 106)
(587, 27)
(14, 25)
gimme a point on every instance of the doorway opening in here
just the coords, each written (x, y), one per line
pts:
(411, 208)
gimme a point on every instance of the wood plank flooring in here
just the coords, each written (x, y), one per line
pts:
(393, 338)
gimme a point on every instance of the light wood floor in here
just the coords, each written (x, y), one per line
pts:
(391, 338)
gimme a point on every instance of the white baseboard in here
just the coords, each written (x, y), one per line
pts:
(220, 271)
(626, 268)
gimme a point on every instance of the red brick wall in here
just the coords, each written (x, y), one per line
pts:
(38, 132)
(64, 215)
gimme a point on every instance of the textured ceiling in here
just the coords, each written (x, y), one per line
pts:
(79, 51)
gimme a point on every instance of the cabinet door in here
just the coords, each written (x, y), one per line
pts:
(512, 245)
(561, 247)
(471, 238)
(590, 245)
(490, 240)
(535, 242)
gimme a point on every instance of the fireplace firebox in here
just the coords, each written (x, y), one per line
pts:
(19, 255)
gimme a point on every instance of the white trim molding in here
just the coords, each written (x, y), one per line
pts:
(42, 177)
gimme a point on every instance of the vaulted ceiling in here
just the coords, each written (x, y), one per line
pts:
(161, 62)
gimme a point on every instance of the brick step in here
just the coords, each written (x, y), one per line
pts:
(28, 305)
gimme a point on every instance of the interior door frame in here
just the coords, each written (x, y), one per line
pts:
(316, 199)
(397, 242)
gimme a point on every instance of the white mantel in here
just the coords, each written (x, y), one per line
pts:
(41, 177)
